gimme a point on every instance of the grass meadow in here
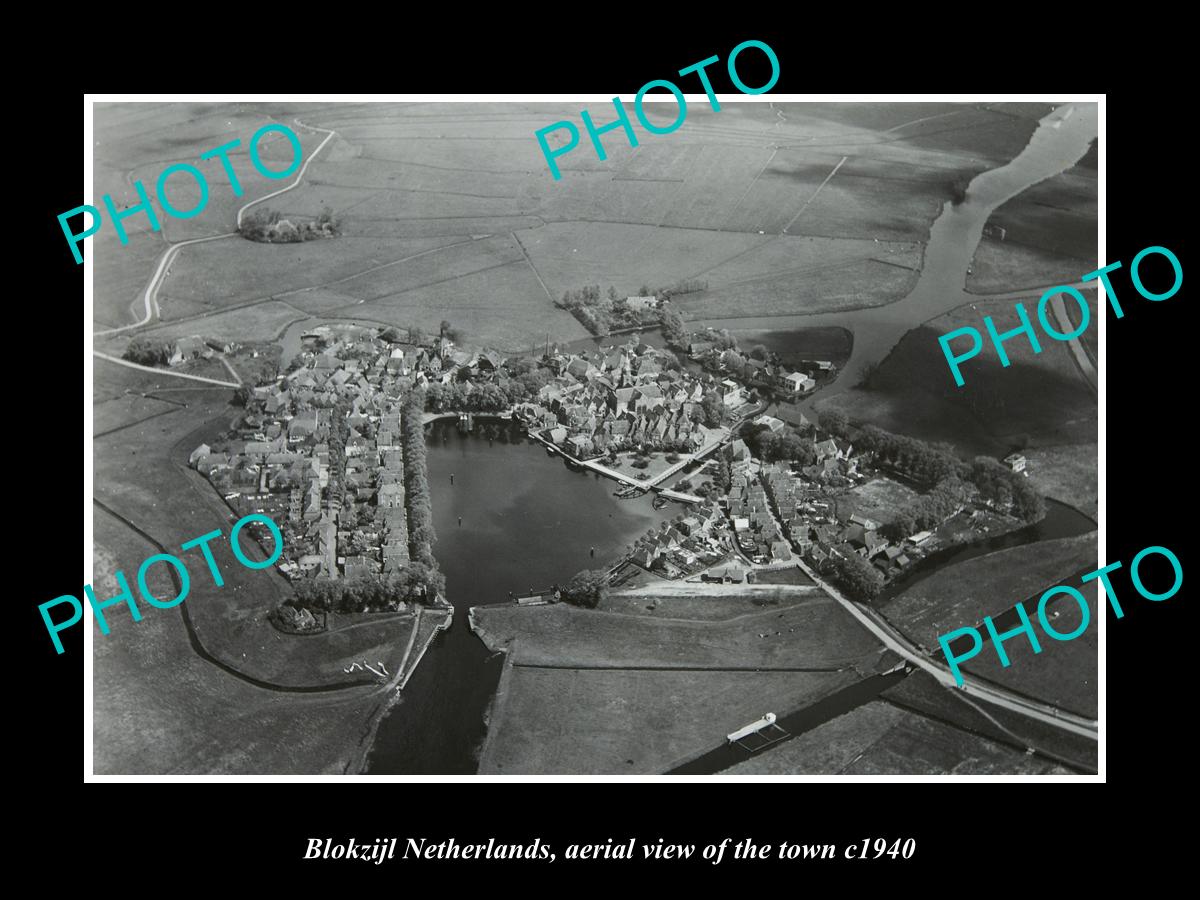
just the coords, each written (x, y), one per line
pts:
(404, 179)
(881, 739)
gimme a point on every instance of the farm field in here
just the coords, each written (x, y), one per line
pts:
(880, 499)
(630, 722)
(1068, 473)
(136, 142)
(262, 322)
(816, 634)
(401, 176)
(198, 282)
(962, 594)
(1065, 672)
(789, 575)
(920, 693)
(1090, 337)
(881, 739)
(120, 411)
(502, 307)
(158, 708)
(700, 607)
(784, 275)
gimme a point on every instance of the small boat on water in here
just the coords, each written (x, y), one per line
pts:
(629, 492)
(660, 501)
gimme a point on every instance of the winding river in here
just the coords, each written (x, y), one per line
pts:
(1060, 140)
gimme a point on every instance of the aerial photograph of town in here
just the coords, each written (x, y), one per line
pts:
(655, 468)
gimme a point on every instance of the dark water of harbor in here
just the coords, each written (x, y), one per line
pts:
(527, 522)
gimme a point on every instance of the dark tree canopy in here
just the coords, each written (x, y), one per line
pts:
(147, 353)
(587, 588)
(858, 577)
(713, 409)
(834, 421)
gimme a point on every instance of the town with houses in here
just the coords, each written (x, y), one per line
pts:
(319, 450)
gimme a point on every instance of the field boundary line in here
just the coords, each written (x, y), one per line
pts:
(150, 297)
(814, 195)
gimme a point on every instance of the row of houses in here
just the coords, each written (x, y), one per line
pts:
(686, 546)
(790, 381)
(193, 346)
(322, 446)
(818, 535)
(620, 398)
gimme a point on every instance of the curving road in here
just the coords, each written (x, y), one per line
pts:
(150, 297)
(131, 365)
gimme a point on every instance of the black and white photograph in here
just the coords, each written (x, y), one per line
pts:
(732, 434)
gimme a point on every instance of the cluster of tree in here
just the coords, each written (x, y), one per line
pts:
(938, 464)
(787, 445)
(266, 226)
(958, 189)
(337, 451)
(146, 352)
(473, 398)
(587, 588)
(421, 536)
(723, 480)
(526, 376)
(674, 331)
(929, 510)
(998, 483)
(687, 286)
(835, 422)
(925, 462)
(857, 577)
(713, 409)
(600, 315)
(416, 583)
(523, 382)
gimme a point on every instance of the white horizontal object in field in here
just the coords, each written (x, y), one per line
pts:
(752, 728)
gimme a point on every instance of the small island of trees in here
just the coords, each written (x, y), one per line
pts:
(268, 227)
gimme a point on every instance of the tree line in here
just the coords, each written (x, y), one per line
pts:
(421, 535)
(371, 593)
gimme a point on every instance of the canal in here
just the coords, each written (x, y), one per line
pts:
(1060, 521)
(528, 521)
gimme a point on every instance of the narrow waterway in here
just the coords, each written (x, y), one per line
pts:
(1060, 521)
(1060, 140)
(528, 521)
(796, 723)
